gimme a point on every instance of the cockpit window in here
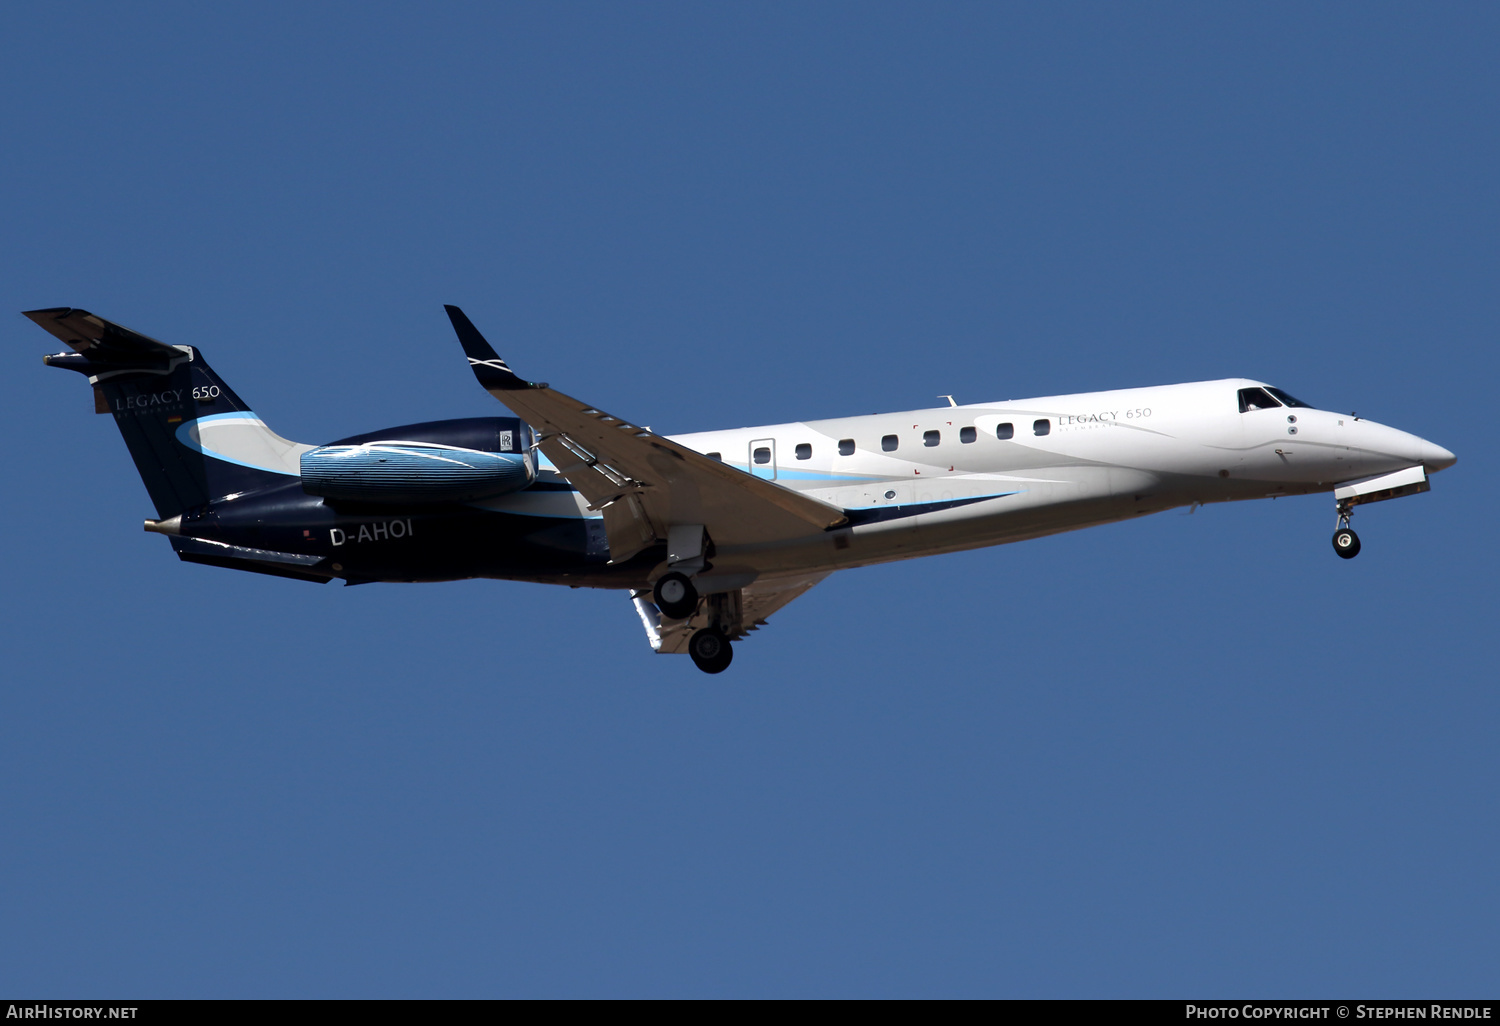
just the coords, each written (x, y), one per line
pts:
(1289, 400)
(1256, 399)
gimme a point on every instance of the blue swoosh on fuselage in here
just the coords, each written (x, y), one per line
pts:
(878, 514)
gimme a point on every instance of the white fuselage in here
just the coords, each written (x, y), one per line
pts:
(923, 482)
(1069, 461)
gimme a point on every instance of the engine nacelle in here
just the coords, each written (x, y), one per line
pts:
(444, 461)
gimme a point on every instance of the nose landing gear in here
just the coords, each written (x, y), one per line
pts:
(1345, 541)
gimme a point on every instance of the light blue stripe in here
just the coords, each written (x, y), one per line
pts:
(186, 440)
(786, 474)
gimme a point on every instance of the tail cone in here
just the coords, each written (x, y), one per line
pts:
(171, 525)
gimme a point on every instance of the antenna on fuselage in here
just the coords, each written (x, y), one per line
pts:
(949, 398)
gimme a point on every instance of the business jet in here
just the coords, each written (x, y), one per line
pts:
(709, 533)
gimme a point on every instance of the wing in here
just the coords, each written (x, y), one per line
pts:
(643, 483)
(747, 610)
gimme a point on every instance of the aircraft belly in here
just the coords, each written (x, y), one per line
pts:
(369, 542)
(457, 546)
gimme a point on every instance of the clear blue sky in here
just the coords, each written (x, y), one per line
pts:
(1184, 756)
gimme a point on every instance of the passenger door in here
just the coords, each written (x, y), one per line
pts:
(763, 458)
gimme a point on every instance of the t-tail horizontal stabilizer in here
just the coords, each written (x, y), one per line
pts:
(193, 440)
(101, 347)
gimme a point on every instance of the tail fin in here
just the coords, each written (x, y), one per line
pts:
(192, 438)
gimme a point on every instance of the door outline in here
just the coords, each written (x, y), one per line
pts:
(763, 470)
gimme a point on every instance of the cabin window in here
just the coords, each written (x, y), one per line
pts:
(1004, 431)
(888, 443)
(762, 454)
(1041, 427)
(931, 438)
(846, 447)
(804, 451)
(1256, 399)
(715, 456)
(1289, 400)
(967, 435)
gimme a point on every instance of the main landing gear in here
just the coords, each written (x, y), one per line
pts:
(1345, 541)
(710, 650)
(676, 597)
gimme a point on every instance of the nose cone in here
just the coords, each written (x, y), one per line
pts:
(1435, 457)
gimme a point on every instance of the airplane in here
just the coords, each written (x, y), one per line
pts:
(709, 533)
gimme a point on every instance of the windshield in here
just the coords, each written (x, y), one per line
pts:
(1290, 401)
(1256, 399)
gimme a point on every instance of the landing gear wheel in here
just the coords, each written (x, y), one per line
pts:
(1346, 543)
(675, 596)
(710, 650)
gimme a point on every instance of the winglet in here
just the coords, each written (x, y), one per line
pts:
(486, 364)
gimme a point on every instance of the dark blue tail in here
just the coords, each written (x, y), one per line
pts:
(193, 440)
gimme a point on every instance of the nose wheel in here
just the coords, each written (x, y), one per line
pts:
(1345, 541)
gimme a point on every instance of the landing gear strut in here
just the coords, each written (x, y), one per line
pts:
(710, 650)
(676, 597)
(1345, 541)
